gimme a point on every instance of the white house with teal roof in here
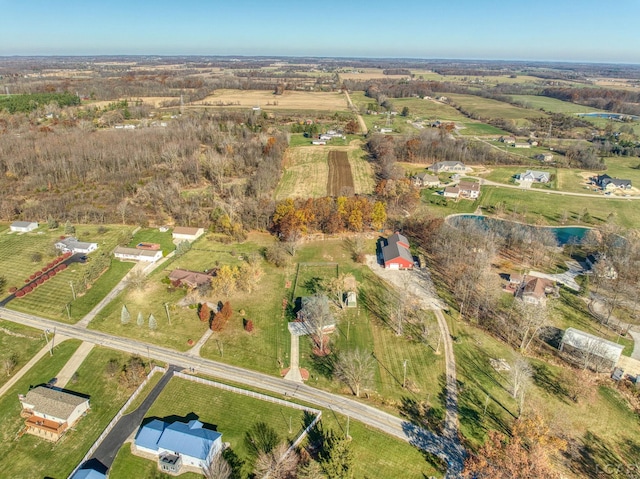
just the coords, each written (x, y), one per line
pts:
(178, 444)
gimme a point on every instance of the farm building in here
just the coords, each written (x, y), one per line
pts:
(396, 254)
(535, 176)
(592, 350)
(134, 254)
(192, 279)
(72, 245)
(447, 166)
(178, 444)
(23, 226)
(187, 233)
(50, 412)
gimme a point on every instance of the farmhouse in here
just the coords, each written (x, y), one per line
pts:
(134, 254)
(23, 226)
(50, 412)
(535, 176)
(469, 189)
(178, 444)
(192, 279)
(607, 183)
(589, 347)
(396, 254)
(425, 180)
(447, 166)
(72, 245)
(187, 233)
(534, 290)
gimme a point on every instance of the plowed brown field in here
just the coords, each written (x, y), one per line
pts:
(340, 181)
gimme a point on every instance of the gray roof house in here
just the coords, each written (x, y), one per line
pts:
(72, 245)
(535, 176)
(23, 226)
(425, 180)
(447, 166)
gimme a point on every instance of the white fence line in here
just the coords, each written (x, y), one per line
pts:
(116, 418)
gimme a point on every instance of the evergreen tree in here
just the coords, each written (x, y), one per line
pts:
(125, 317)
(153, 324)
(140, 320)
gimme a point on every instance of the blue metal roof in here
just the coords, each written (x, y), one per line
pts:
(189, 439)
(88, 474)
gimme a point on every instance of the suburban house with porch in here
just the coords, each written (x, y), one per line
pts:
(23, 226)
(72, 245)
(535, 176)
(50, 412)
(447, 167)
(177, 445)
(395, 252)
(134, 254)
(187, 233)
(607, 183)
(425, 180)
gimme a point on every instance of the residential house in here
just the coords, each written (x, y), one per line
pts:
(177, 444)
(318, 142)
(522, 145)
(425, 180)
(535, 176)
(447, 166)
(469, 189)
(192, 279)
(396, 254)
(72, 245)
(386, 130)
(88, 473)
(534, 290)
(187, 233)
(309, 322)
(509, 140)
(588, 345)
(325, 137)
(50, 412)
(451, 192)
(133, 254)
(607, 183)
(23, 226)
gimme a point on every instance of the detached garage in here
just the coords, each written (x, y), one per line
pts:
(23, 226)
(396, 254)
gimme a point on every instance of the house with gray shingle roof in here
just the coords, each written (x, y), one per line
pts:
(50, 412)
(23, 226)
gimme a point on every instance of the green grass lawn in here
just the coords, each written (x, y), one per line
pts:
(20, 343)
(480, 129)
(551, 104)
(126, 466)
(181, 398)
(488, 108)
(34, 457)
(153, 235)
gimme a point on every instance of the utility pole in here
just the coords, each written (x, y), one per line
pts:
(73, 291)
(348, 436)
(404, 377)
(46, 337)
(68, 312)
(166, 308)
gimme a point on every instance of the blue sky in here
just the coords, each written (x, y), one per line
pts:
(586, 30)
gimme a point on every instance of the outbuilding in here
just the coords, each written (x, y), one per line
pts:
(23, 226)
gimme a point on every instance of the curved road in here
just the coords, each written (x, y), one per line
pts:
(442, 447)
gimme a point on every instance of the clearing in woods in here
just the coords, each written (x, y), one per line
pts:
(340, 181)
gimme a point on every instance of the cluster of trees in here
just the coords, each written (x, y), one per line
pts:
(293, 218)
(27, 102)
(129, 374)
(99, 263)
(618, 101)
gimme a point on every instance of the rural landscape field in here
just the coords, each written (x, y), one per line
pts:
(319, 267)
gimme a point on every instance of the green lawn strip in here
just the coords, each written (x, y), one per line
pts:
(551, 104)
(29, 456)
(363, 175)
(477, 128)
(153, 235)
(434, 203)
(20, 343)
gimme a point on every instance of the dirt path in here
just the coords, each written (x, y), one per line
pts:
(363, 126)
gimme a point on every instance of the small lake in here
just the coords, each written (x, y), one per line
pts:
(614, 116)
(563, 234)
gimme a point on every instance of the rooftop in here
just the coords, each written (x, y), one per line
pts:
(53, 402)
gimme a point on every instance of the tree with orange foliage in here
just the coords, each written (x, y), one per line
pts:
(526, 454)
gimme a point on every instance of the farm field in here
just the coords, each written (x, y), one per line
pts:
(267, 100)
(551, 104)
(488, 108)
(29, 456)
(19, 344)
(306, 171)
(181, 398)
(340, 179)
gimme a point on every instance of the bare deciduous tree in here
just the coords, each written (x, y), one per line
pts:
(520, 375)
(279, 463)
(9, 363)
(355, 368)
(218, 468)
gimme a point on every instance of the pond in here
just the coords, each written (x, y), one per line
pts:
(613, 116)
(563, 234)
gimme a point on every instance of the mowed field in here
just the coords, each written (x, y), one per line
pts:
(265, 99)
(488, 108)
(306, 171)
(551, 104)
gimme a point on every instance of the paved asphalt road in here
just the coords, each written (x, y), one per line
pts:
(383, 421)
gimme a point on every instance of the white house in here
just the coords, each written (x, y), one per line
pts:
(535, 176)
(448, 166)
(72, 245)
(134, 254)
(176, 444)
(469, 189)
(187, 233)
(451, 192)
(23, 226)
(50, 412)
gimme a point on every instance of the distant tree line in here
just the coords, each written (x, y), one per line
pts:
(31, 101)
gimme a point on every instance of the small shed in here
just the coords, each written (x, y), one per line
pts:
(351, 299)
(23, 226)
